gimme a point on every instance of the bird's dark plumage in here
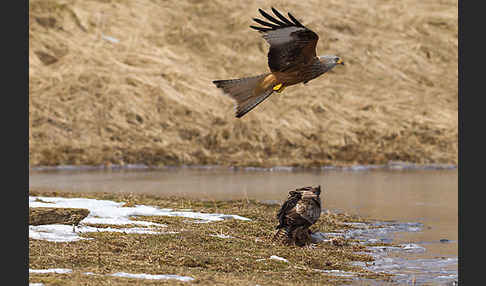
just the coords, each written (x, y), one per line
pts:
(291, 43)
(301, 210)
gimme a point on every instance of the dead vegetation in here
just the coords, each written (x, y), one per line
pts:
(70, 216)
(194, 249)
(130, 82)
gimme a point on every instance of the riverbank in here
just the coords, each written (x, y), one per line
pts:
(227, 251)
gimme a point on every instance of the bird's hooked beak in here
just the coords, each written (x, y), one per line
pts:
(340, 61)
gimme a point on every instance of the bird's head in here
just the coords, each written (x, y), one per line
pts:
(331, 60)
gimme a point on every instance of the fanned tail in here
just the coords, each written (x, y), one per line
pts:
(248, 92)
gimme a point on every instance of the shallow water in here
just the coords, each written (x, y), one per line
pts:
(422, 200)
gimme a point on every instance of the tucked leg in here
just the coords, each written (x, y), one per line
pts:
(279, 88)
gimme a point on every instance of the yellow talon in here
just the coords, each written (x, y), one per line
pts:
(279, 88)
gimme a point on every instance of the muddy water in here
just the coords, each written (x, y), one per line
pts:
(426, 197)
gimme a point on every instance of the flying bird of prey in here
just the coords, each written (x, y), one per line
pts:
(292, 59)
(301, 210)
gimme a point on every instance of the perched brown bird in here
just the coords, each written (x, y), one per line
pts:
(292, 59)
(301, 210)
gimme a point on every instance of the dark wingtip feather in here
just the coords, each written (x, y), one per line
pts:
(277, 24)
(280, 16)
(265, 23)
(296, 22)
(260, 29)
(271, 19)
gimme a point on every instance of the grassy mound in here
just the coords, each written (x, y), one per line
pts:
(130, 82)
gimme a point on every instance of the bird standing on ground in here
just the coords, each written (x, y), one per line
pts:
(301, 210)
(292, 59)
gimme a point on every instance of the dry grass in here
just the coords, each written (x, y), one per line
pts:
(147, 96)
(69, 216)
(194, 252)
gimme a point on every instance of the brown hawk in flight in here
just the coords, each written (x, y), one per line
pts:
(292, 59)
(301, 210)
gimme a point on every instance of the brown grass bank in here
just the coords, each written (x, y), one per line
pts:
(130, 82)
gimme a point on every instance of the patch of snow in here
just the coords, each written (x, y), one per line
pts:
(120, 221)
(206, 217)
(196, 221)
(118, 274)
(221, 235)
(36, 284)
(51, 270)
(64, 233)
(53, 232)
(275, 257)
(109, 212)
(452, 276)
(152, 276)
(412, 247)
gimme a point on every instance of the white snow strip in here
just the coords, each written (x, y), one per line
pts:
(120, 221)
(64, 233)
(275, 257)
(108, 212)
(196, 221)
(206, 217)
(412, 247)
(152, 276)
(221, 235)
(118, 274)
(51, 270)
(36, 284)
(53, 232)
(452, 276)
(112, 211)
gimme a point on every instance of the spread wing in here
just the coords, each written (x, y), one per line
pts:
(288, 205)
(291, 44)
